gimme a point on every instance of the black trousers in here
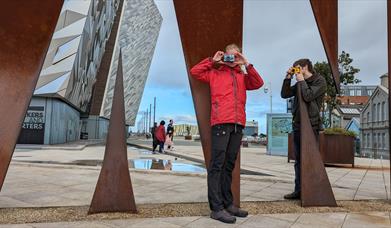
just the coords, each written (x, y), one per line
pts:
(154, 143)
(297, 143)
(226, 141)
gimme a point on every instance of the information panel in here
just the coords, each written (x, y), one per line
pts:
(279, 125)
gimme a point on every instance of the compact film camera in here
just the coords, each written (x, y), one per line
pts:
(294, 70)
(229, 58)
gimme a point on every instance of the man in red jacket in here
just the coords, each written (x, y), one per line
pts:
(229, 75)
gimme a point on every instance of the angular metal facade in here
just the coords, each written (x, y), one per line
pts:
(138, 32)
(76, 51)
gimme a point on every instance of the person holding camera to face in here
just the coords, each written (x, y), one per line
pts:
(229, 75)
(313, 89)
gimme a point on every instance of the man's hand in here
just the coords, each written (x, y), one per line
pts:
(240, 59)
(217, 58)
(300, 77)
(289, 74)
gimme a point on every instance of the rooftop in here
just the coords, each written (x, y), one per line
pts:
(353, 100)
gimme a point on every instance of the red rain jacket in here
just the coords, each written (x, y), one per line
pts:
(228, 90)
(160, 133)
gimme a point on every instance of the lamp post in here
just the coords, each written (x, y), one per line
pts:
(269, 90)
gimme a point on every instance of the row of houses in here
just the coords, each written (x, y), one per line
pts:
(364, 110)
(374, 123)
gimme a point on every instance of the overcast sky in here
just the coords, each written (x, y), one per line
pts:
(276, 33)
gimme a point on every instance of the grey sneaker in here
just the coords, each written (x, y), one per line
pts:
(222, 216)
(235, 211)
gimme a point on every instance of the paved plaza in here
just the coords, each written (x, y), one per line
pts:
(344, 220)
(66, 176)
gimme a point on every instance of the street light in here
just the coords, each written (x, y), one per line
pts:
(269, 90)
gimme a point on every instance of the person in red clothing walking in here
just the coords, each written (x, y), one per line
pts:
(160, 134)
(229, 75)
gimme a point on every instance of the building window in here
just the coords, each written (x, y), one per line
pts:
(383, 108)
(374, 113)
(378, 112)
(364, 140)
(370, 92)
(368, 117)
(384, 140)
(358, 92)
(368, 140)
(351, 92)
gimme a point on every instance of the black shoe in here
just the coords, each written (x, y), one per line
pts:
(222, 216)
(235, 211)
(292, 196)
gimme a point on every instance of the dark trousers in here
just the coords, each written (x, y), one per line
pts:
(156, 143)
(296, 142)
(226, 141)
(161, 146)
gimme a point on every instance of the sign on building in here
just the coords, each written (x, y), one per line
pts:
(33, 127)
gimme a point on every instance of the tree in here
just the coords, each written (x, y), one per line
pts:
(347, 76)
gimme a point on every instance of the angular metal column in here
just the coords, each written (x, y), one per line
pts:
(315, 185)
(389, 73)
(326, 16)
(205, 27)
(114, 191)
(26, 29)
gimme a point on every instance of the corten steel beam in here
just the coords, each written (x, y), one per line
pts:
(315, 185)
(326, 16)
(26, 29)
(114, 192)
(389, 71)
(205, 27)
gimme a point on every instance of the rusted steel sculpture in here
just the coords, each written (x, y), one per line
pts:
(315, 185)
(389, 71)
(26, 29)
(207, 26)
(114, 192)
(326, 16)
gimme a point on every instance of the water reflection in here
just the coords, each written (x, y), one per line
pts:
(160, 164)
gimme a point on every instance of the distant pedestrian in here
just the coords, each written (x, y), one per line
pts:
(169, 142)
(160, 134)
(170, 133)
(154, 140)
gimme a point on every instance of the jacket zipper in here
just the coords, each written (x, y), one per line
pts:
(236, 97)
